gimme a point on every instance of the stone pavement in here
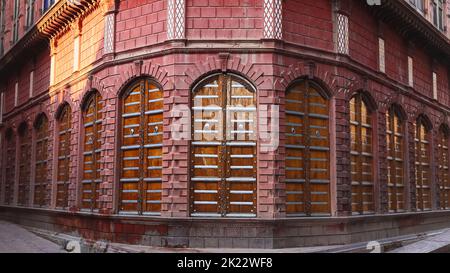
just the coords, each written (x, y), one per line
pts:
(439, 242)
(16, 239)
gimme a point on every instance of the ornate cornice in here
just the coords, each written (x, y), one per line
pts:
(413, 26)
(55, 21)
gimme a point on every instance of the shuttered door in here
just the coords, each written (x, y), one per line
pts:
(423, 190)
(62, 188)
(361, 156)
(40, 186)
(223, 170)
(142, 132)
(10, 166)
(24, 166)
(394, 140)
(92, 120)
(443, 171)
(307, 152)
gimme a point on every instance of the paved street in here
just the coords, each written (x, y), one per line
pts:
(16, 239)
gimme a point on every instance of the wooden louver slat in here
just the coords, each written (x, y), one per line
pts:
(92, 121)
(40, 185)
(141, 150)
(307, 151)
(223, 149)
(63, 177)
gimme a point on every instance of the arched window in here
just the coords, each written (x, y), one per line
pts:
(307, 151)
(141, 151)
(92, 121)
(64, 135)
(24, 164)
(10, 166)
(423, 172)
(41, 154)
(223, 148)
(443, 167)
(361, 156)
(395, 157)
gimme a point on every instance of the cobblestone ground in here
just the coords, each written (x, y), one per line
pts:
(16, 239)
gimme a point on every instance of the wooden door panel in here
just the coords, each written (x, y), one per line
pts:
(24, 167)
(307, 151)
(63, 158)
(92, 119)
(10, 168)
(361, 157)
(223, 149)
(142, 136)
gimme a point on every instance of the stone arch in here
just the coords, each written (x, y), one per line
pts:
(399, 110)
(311, 71)
(38, 118)
(93, 83)
(323, 89)
(422, 117)
(87, 96)
(126, 85)
(61, 108)
(223, 64)
(367, 98)
(142, 69)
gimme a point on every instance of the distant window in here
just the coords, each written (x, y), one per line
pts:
(2, 15)
(418, 4)
(438, 11)
(16, 14)
(47, 4)
(30, 13)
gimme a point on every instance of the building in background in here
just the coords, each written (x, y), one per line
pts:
(225, 123)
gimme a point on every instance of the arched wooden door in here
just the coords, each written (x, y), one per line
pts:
(423, 172)
(443, 168)
(395, 158)
(92, 122)
(361, 156)
(307, 151)
(64, 135)
(223, 148)
(141, 150)
(40, 185)
(10, 167)
(24, 164)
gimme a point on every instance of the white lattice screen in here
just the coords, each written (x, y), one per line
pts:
(342, 33)
(109, 33)
(273, 25)
(175, 19)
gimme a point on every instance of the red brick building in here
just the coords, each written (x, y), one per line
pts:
(225, 123)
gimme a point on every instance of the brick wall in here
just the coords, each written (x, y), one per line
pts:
(315, 29)
(308, 28)
(224, 19)
(140, 23)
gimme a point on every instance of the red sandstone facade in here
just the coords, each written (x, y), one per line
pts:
(391, 55)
